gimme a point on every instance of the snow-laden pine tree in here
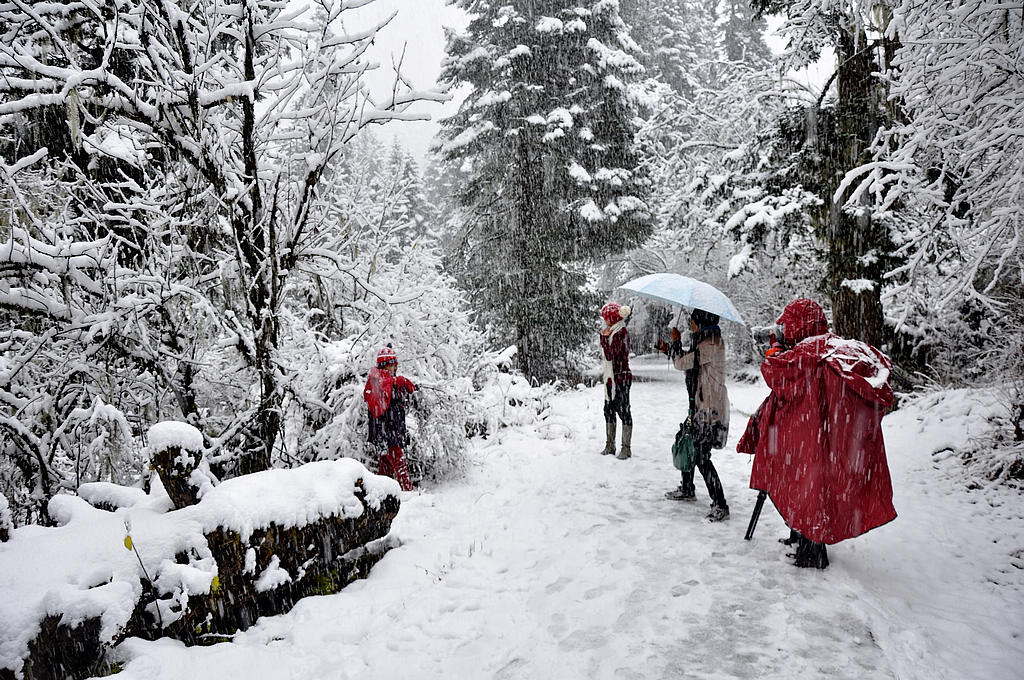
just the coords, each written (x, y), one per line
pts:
(675, 36)
(739, 33)
(711, 91)
(414, 206)
(547, 138)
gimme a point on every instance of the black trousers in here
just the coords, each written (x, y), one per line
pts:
(619, 405)
(708, 472)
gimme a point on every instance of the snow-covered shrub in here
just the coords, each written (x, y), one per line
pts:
(973, 425)
(6, 521)
(393, 291)
(506, 398)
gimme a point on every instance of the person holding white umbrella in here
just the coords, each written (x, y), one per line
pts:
(704, 363)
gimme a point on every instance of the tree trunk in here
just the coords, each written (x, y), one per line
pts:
(857, 242)
(259, 255)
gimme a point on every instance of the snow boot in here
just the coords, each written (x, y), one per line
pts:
(627, 435)
(793, 538)
(609, 442)
(718, 513)
(681, 494)
(686, 490)
(810, 554)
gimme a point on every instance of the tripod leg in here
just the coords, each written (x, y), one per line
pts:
(761, 495)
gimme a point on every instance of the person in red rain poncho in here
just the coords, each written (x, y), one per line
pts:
(385, 397)
(817, 438)
(617, 377)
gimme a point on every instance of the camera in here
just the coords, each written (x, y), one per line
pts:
(763, 335)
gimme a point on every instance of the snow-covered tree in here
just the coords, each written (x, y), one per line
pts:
(547, 139)
(705, 106)
(951, 169)
(675, 37)
(159, 237)
(812, 147)
(740, 33)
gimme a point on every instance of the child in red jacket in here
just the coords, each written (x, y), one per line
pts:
(385, 397)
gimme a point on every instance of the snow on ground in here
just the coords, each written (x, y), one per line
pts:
(550, 561)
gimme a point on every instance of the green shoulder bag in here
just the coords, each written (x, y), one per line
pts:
(684, 453)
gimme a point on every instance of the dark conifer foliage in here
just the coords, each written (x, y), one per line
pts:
(547, 141)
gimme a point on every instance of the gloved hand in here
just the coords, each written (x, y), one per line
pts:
(661, 346)
(674, 335)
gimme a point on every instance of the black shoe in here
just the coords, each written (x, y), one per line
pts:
(679, 495)
(810, 554)
(793, 538)
(718, 513)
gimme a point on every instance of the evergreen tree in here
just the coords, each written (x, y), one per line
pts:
(740, 32)
(413, 206)
(547, 136)
(813, 148)
(713, 93)
(676, 36)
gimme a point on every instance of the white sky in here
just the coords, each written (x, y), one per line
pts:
(419, 29)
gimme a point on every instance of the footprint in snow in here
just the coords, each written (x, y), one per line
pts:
(557, 586)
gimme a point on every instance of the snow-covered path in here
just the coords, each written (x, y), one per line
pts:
(550, 561)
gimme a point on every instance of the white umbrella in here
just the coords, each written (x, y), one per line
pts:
(682, 290)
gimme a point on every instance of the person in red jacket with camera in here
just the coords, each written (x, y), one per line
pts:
(817, 439)
(385, 394)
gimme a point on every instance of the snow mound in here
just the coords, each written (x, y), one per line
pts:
(290, 498)
(87, 568)
(170, 433)
(105, 495)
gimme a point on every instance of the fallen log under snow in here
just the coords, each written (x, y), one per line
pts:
(250, 547)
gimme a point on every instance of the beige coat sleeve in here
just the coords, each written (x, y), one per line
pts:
(684, 362)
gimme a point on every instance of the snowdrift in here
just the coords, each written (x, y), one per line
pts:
(124, 563)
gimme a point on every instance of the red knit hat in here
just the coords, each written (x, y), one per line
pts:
(386, 357)
(613, 312)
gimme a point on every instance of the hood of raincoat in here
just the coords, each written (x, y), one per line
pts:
(801, 319)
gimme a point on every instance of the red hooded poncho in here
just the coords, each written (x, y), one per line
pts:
(380, 385)
(817, 438)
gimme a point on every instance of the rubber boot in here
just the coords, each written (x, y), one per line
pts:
(609, 442)
(393, 464)
(810, 554)
(624, 450)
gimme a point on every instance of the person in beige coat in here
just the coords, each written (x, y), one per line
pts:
(704, 364)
